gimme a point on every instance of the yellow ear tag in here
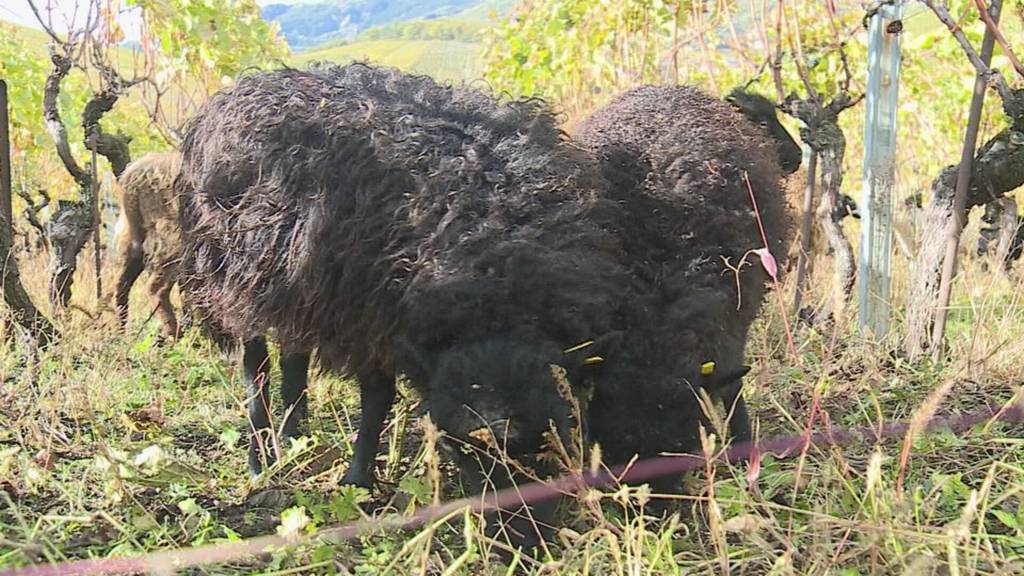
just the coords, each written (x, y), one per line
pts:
(579, 346)
(592, 360)
(707, 368)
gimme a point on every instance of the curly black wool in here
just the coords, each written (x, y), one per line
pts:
(679, 161)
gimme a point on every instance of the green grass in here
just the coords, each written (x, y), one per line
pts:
(113, 445)
(444, 60)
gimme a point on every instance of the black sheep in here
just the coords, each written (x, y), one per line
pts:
(679, 161)
(395, 224)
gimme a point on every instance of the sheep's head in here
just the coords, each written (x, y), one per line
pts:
(645, 409)
(762, 112)
(502, 401)
(503, 393)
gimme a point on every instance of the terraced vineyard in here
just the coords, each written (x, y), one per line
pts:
(442, 59)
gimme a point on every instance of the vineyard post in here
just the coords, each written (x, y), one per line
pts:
(5, 162)
(879, 168)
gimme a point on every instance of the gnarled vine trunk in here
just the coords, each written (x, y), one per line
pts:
(998, 168)
(997, 237)
(822, 133)
(73, 222)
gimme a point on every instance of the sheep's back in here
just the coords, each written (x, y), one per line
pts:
(326, 204)
(149, 207)
(681, 161)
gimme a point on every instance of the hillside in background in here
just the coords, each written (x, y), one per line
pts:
(308, 24)
(445, 48)
(441, 38)
(443, 60)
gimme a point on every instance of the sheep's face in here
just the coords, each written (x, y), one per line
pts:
(640, 410)
(500, 394)
(497, 400)
(504, 395)
(644, 409)
(762, 112)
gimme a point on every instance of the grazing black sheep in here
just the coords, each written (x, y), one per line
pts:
(679, 162)
(395, 224)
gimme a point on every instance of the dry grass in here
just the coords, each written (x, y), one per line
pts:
(111, 445)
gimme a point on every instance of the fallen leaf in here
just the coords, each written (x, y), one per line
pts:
(10, 489)
(744, 523)
(753, 467)
(768, 262)
(293, 523)
(45, 459)
(150, 459)
(483, 435)
(150, 415)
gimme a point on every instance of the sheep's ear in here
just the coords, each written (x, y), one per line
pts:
(412, 360)
(735, 95)
(714, 381)
(592, 352)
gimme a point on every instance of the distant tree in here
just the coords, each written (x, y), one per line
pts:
(17, 299)
(193, 47)
(87, 49)
(828, 91)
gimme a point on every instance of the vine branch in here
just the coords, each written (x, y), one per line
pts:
(1000, 39)
(992, 77)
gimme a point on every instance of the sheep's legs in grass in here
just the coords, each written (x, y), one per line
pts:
(256, 362)
(728, 387)
(131, 268)
(160, 285)
(294, 378)
(376, 395)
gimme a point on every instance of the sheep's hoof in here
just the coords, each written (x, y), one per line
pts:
(356, 477)
(257, 462)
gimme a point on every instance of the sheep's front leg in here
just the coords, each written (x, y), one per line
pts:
(294, 379)
(376, 395)
(132, 265)
(256, 363)
(739, 423)
(160, 285)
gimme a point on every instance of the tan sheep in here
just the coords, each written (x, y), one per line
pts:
(149, 234)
